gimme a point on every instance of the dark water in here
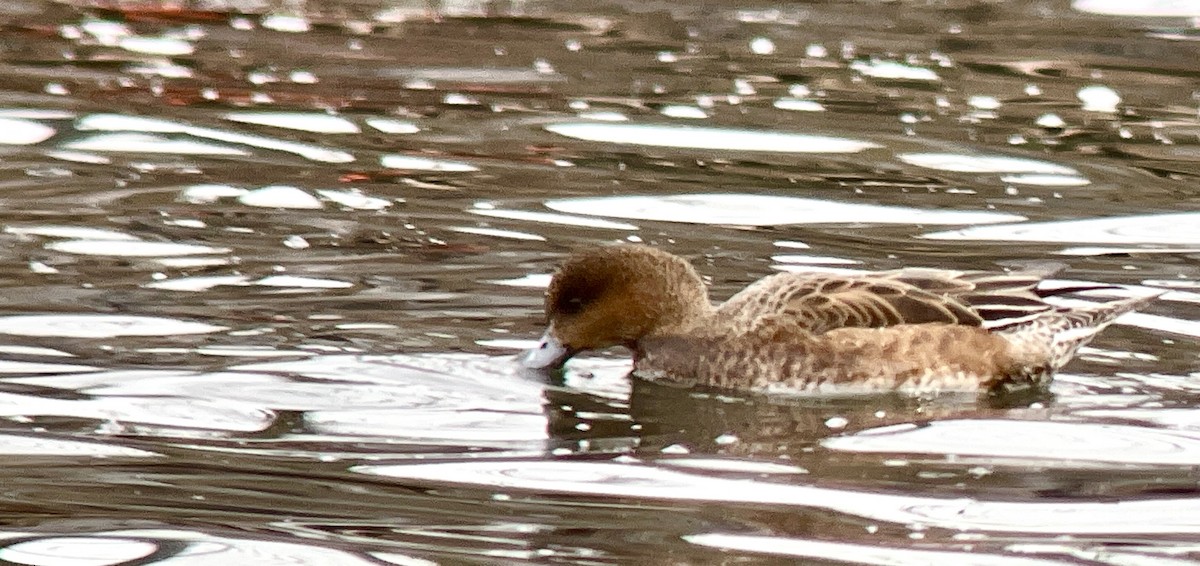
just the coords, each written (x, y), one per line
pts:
(264, 269)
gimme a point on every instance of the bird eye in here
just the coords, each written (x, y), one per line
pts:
(575, 295)
(572, 305)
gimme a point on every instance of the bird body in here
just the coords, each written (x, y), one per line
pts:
(918, 330)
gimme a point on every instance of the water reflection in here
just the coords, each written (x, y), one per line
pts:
(136, 134)
(961, 163)
(425, 400)
(637, 480)
(550, 218)
(23, 132)
(163, 546)
(856, 553)
(100, 326)
(266, 269)
(765, 210)
(1179, 228)
(708, 138)
(316, 123)
(1057, 444)
(14, 445)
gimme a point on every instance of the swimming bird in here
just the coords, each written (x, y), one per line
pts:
(914, 330)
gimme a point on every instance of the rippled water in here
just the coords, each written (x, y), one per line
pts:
(266, 266)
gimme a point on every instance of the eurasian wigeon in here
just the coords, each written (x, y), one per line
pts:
(915, 330)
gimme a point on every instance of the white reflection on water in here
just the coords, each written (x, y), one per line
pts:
(77, 551)
(150, 143)
(443, 398)
(192, 262)
(983, 102)
(533, 281)
(15, 131)
(288, 23)
(473, 75)
(234, 351)
(354, 199)
(26, 368)
(1158, 8)
(416, 163)
(1099, 98)
(731, 465)
(33, 351)
(210, 193)
(1148, 553)
(298, 282)
(508, 343)
(120, 123)
(1182, 418)
(961, 163)
(492, 379)
(127, 546)
(859, 553)
(19, 445)
(280, 196)
(36, 113)
(161, 68)
(692, 137)
(893, 70)
(469, 427)
(1045, 180)
(813, 260)
(207, 282)
(100, 326)
(268, 390)
(105, 32)
(798, 105)
(78, 157)
(283, 196)
(1052, 443)
(1181, 228)
(126, 248)
(607, 479)
(497, 233)
(604, 116)
(76, 232)
(1096, 250)
(551, 218)
(176, 412)
(393, 126)
(765, 210)
(301, 121)
(149, 45)
(683, 111)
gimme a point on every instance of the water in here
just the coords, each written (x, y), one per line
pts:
(266, 267)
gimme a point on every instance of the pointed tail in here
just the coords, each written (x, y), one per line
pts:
(1060, 333)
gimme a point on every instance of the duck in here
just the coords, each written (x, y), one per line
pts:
(917, 330)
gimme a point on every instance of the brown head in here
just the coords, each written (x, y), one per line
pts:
(614, 296)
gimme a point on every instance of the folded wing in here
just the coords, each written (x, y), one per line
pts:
(822, 302)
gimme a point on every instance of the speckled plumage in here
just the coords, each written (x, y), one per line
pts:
(916, 330)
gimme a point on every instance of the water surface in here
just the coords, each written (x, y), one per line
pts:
(266, 268)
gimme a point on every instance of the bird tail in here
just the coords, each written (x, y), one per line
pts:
(1060, 333)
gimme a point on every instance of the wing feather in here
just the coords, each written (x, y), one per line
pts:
(820, 302)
